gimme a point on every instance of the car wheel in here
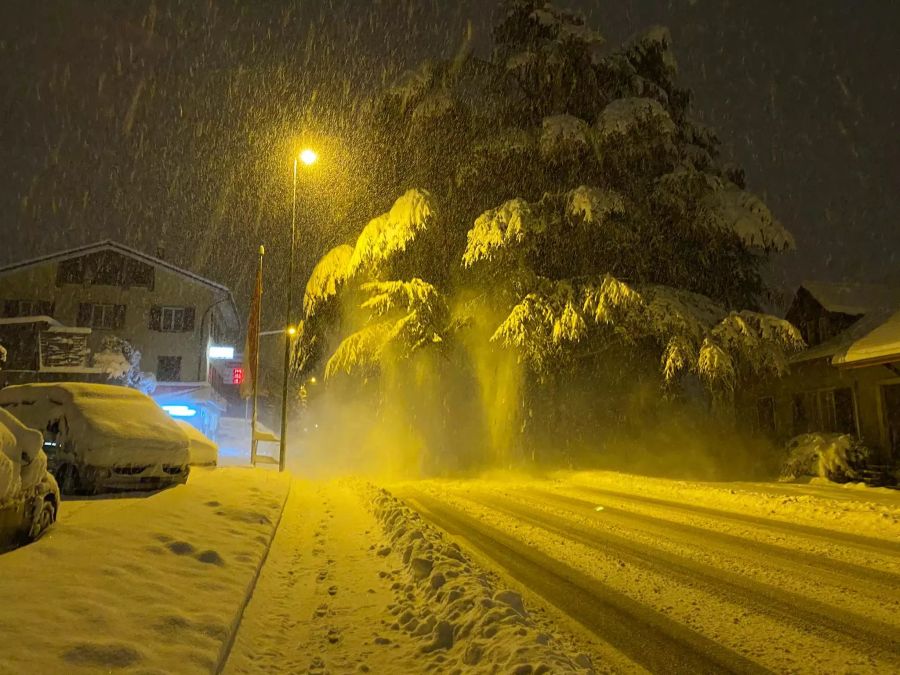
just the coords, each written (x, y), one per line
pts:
(43, 519)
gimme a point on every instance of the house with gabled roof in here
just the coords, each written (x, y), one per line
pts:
(847, 380)
(170, 314)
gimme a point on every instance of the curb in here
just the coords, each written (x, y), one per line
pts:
(228, 645)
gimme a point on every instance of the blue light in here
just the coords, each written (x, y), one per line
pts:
(180, 410)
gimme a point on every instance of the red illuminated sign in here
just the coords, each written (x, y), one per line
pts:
(237, 375)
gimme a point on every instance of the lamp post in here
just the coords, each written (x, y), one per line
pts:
(307, 157)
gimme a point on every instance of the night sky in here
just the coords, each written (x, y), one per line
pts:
(169, 125)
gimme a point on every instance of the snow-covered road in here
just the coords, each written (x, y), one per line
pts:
(577, 573)
(679, 577)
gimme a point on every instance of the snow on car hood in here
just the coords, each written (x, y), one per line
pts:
(109, 425)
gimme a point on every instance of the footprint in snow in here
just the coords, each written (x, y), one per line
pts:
(333, 590)
(180, 548)
(211, 558)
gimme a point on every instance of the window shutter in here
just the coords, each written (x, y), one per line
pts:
(84, 314)
(188, 320)
(119, 320)
(10, 308)
(155, 318)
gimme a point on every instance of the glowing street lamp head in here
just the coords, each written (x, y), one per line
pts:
(308, 157)
(291, 330)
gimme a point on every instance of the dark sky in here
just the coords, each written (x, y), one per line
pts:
(168, 124)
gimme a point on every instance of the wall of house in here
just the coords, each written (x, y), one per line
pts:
(866, 384)
(39, 283)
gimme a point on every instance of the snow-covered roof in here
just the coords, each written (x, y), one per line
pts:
(11, 320)
(837, 346)
(875, 338)
(880, 345)
(852, 297)
(110, 245)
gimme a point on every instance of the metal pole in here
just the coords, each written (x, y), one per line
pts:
(287, 323)
(254, 444)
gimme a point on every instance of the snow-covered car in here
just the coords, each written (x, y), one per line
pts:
(29, 496)
(203, 450)
(102, 437)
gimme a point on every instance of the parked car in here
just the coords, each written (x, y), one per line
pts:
(102, 437)
(203, 450)
(29, 496)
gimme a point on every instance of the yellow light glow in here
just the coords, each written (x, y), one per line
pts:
(291, 330)
(312, 380)
(308, 157)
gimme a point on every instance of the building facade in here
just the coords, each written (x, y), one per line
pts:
(169, 314)
(848, 378)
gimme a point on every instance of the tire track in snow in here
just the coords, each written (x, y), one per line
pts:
(877, 582)
(647, 637)
(858, 632)
(879, 546)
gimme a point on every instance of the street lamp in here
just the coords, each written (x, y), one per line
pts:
(308, 157)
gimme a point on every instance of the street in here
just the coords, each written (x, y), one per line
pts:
(680, 587)
(245, 571)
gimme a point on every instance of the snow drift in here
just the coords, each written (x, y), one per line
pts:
(837, 457)
(479, 627)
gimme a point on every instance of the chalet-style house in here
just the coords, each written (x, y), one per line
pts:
(848, 378)
(55, 311)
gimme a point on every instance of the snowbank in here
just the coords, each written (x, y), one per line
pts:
(111, 425)
(151, 583)
(22, 460)
(466, 619)
(837, 457)
(204, 451)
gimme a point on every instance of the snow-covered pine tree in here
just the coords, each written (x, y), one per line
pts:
(559, 200)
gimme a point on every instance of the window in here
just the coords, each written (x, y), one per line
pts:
(812, 333)
(137, 274)
(70, 272)
(172, 319)
(824, 328)
(108, 268)
(14, 308)
(105, 268)
(101, 316)
(168, 369)
(802, 405)
(765, 414)
(828, 410)
(844, 410)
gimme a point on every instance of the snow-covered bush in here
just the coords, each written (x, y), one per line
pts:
(837, 457)
(122, 363)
